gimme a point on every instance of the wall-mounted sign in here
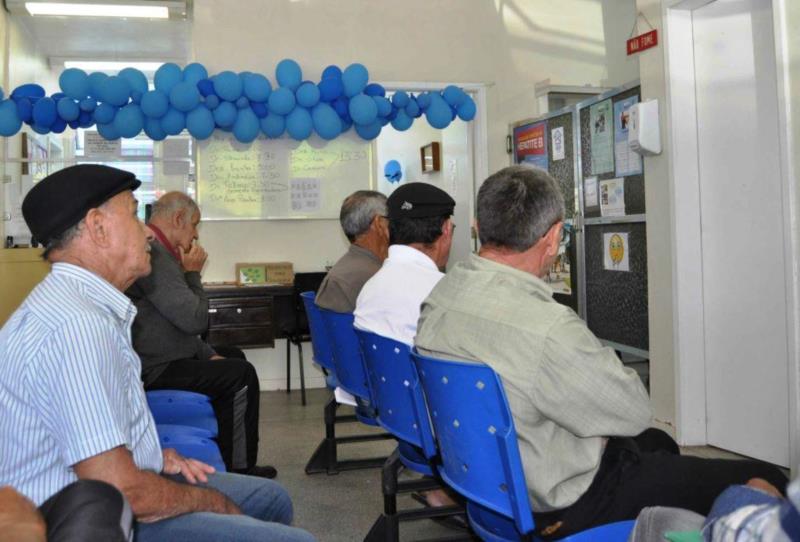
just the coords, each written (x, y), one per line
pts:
(637, 44)
(530, 144)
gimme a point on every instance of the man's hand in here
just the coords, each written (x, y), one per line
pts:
(20, 521)
(191, 469)
(194, 259)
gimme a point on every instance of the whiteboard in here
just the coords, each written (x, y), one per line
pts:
(280, 178)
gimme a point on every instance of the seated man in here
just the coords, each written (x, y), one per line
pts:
(363, 219)
(70, 390)
(172, 312)
(582, 418)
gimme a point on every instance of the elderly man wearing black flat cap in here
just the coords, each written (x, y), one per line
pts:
(70, 390)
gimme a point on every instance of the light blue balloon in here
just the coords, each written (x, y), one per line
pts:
(400, 99)
(108, 131)
(225, 115)
(153, 129)
(384, 106)
(115, 90)
(273, 125)
(393, 171)
(363, 109)
(288, 74)
(412, 109)
(154, 104)
(68, 109)
(354, 79)
(402, 121)
(129, 121)
(332, 72)
(136, 97)
(167, 76)
(424, 100)
(104, 114)
(136, 79)
(281, 101)
(242, 102)
(200, 123)
(370, 131)
(467, 110)
(184, 96)
(257, 88)
(453, 95)
(212, 101)
(299, 123)
(438, 113)
(173, 122)
(88, 105)
(10, 123)
(326, 122)
(245, 129)
(74, 83)
(228, 85)
(308, 95)
(194, 73)
(95, 82)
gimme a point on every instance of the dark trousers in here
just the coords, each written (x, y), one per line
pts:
(648, 471)
(232, 384)
(87, 510)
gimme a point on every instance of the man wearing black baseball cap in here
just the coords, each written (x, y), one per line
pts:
(70, 389)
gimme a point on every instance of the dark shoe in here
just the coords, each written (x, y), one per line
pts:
(265, 471)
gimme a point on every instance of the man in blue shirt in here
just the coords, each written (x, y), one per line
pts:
(72, 401)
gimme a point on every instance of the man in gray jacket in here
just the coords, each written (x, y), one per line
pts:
(172, 313)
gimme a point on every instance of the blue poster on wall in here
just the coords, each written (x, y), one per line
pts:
(530, 144)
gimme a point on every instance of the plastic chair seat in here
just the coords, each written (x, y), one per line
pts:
(191, 446)
(176, 395)
(413, 458)
(168, 409)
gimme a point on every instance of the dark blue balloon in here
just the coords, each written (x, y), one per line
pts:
(326, 122)
(308, 94)
(363, 109)
(273, 125)
(259, 109)
(281, 101)
(68, 109)
(44, 112)
(10, 121)
(347, 123)
(369, 131)
(24, 109)
(212, 101)
(136, 79)
(424, 100)
(30, 90)
(167, 76)
(44, 130)
(225, 115)
(257, 88)
(104, 114)
(330, 89)
(200, 123)
(129, 121)
(95, 80)
(173, 122)
(154, 104)
(88, 105)
(74, 124)
(332, 72)
(194, 73)
(374, 89)
(354, 78)
(153, 129)
(57, 96)
(84, 120)
(184, 96)
(75, 83)
(400, 99)
(299, 124)
(115, 90)
(108, 131)
(383, 120)
(206, 87)
(340, 105)
(228, 85)
(288, 74)
(246, 127)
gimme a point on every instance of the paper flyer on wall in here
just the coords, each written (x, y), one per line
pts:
(615, 252)
(627, 162)
(590, 192)
(601, 127)
(530, 144)
(557, 135)
(612, 197)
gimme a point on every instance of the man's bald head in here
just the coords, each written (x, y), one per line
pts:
(167, 205)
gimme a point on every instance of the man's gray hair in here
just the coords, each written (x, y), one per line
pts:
(517, 206)
(62, 240)
(358, 210)
(172, 202)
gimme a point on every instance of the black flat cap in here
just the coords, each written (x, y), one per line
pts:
(419, 200)
(61, 200)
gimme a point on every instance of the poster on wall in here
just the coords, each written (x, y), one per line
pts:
(558, 143)
(590, 192)
(615, 252)
(601, 126)
(530, 144)
(627, 162)
(612, 197)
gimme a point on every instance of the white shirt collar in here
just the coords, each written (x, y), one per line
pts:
(407, 254)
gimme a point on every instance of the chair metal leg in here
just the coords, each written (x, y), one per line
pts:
(302, 373)
(288, 365)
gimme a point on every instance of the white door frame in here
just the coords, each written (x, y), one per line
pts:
(684, 178)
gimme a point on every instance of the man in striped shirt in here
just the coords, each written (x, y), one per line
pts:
(72, 403)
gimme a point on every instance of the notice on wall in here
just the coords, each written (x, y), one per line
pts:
(615, 252)
(96, 146)
(601, 127)
(530, 144)
(305, 195)
(590, 192)
(557, 135)
(627, 162)
(612, 197)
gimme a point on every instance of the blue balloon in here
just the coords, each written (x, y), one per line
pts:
(259, 109)
(332, 72)
(453, 95)
(136, 97)
(281, 101)
(88, 105)
(206, 87)
(84, 120)
(75, 83)
(55, 96)
(184, 96)
(24, 109)
(369, 131)
(242, 102)
(412, 109)
(129, 121)
(354, 78)
(400, 99)
(374, 89)
(363, 109)
(44, 112)
(347, 123)
(194, 73)
(30, 90)
(74, 124)
(225, 115)
(424, 100)
(273, 125)
(95, 82)
(257, 88)
(330, 89)
(108, 131)
(246, 127)
(153, 129)
(288, 74)
(299, 123)
(467, 110)
(40, 129)
(228, 85)
(200, 123)
(167, 76)
(402, 121)
(104, 114)
(68, 109)
(136, 79)
(58, 126)
(173, 122)
(212, 101)
(438, 113)
(393, 171)
(341, 106)
(115, 90)
(10, 123)
(155, 104)
(384, 120)
(308, 95)
(384, 106)
(326, 122)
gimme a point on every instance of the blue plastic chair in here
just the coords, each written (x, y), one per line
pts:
(347, 358)
(191, 442)
(320, 343)
(479, 452)
(177, 407)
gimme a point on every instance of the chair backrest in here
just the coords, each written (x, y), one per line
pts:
(320, 341)
(396, 391)
(350, 370)
(476, 436)
(304, 282)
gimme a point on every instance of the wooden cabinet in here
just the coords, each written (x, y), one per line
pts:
(246, 317)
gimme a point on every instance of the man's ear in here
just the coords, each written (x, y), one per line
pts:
(96, 227)
(179, 218)
(553, 236)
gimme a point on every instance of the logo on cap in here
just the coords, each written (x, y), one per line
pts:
(406, 206)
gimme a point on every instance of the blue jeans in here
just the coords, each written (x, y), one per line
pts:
(265, 504)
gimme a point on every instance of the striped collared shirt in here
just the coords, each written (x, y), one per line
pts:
(70, 384)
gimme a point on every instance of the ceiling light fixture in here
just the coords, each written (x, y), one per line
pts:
(111, 65)
(97, 10)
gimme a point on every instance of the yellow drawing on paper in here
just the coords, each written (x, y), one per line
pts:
(616, 249)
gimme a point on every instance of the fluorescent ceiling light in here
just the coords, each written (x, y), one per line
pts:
(111, 65)
(97, 10)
